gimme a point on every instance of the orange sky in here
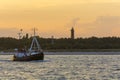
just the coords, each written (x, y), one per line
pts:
(55, 17)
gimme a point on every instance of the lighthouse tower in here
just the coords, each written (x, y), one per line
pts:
(72, 33)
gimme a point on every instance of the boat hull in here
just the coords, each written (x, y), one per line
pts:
(39, 56)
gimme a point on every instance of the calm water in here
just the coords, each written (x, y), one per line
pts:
(62, 67)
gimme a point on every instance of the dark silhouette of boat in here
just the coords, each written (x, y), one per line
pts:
(39, 56)
(34, 53)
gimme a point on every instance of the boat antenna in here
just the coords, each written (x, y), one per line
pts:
(34, 32)
(20, 33)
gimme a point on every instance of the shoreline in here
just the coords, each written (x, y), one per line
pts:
(82, 53)
(69, 53)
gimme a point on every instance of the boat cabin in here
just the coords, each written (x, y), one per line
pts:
(21, 53)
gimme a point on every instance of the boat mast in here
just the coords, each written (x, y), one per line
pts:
(35, 45)
(34, 32)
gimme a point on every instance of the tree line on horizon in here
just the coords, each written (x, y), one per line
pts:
(7, 43)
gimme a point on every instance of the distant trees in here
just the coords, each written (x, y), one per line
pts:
(62, 43)
(8, 43)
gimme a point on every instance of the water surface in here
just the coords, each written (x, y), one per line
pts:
(62, 67)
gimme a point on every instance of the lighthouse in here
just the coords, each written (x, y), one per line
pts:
(72, 33)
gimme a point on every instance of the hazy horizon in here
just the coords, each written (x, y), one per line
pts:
(100, 18)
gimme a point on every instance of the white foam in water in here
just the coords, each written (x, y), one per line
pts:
(62, 67)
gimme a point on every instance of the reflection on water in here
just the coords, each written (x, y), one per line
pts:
(62, 67)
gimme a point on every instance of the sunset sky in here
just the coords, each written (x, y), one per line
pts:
(99, 18)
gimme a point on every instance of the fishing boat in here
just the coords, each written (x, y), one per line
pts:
(34, 53)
